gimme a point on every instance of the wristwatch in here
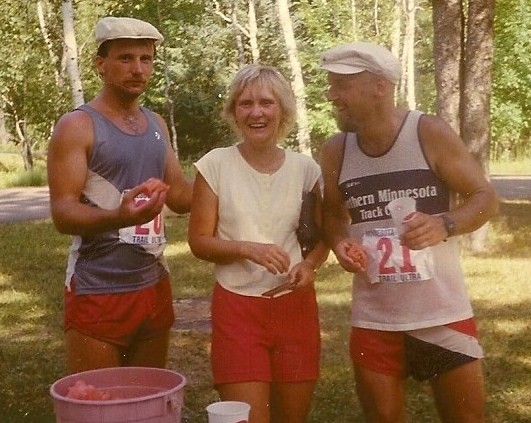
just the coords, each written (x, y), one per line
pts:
(449, 224)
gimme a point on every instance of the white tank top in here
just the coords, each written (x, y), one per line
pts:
(402, 289)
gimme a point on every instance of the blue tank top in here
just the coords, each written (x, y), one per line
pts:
(131, 258)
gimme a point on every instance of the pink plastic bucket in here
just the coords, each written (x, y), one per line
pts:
(140, 395)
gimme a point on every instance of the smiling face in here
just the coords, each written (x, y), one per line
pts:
(127, 66)
(352, 96)
(257, 113)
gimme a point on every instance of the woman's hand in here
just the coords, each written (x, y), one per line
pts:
(300, 277)
(271, 256)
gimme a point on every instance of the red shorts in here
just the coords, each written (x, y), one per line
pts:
(120, 319)
(264, 339)
(421, 353)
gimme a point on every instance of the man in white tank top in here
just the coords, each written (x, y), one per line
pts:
(410, 311)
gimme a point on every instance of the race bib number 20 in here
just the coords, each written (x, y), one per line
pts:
(150, 233)
(391, 262)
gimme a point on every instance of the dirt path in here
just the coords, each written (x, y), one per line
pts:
(192, 314)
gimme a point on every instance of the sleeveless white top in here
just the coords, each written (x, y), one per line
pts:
(402, 289)
(257, 207)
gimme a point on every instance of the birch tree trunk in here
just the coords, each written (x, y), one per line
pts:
(237, 34)
(354, 19)
(303, 133)
(396, 28)
(4, 134)
(253, 32)
(409, 47)
(48, 42)
(70, 52)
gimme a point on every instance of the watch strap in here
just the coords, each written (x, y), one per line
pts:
(449, 224)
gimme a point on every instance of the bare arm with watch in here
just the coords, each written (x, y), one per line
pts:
(451, 161)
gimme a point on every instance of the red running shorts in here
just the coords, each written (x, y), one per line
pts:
(121, 318)
(421, 353)
(264, 339)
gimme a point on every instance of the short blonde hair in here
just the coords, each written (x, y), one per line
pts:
(267, 77)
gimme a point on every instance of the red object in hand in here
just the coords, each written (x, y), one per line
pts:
(356, 253)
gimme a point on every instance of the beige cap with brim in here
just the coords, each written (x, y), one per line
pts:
(113, 28)
(359, 57)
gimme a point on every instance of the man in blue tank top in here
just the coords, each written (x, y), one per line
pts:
(411, 314)
(111, 170)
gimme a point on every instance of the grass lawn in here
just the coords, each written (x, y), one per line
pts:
(32, 262)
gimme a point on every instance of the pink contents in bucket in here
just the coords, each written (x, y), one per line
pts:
(81, 390)
(119, 395)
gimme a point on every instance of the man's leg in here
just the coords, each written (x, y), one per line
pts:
(86, 353)
(151, 352)
(460, 394)
(381, 396)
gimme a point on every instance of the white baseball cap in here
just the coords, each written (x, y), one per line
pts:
(362, 56)
(112, 28)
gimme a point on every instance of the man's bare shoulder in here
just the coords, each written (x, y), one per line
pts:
(334, 142)
(75, 124)
(435, 126)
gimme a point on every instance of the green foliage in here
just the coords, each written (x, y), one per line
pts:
(28, 91)
(511, 117)
(199, 56)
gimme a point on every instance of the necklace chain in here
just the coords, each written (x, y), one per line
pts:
(132, 123)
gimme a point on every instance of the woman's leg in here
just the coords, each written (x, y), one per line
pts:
(256, 394)
(291, 402)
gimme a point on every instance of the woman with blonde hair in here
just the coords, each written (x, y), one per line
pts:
(244, 218)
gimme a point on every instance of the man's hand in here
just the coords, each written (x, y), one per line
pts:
(144, 202)
(351, 255)
(423, 231)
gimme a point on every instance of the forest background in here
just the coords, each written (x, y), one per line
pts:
(465, 60)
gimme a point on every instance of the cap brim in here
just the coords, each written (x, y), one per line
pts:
(342, 69)
(157, 41)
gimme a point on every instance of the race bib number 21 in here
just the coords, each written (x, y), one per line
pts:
(391, 262)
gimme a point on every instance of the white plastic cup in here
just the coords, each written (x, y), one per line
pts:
(228, 412)
(402, 210)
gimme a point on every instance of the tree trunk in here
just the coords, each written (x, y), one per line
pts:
(447, 47)
(253, 32)
(49, 45)
(354, 19)
(4, 134)
(396, 28)
(409, 47)
(476, 94)
(237, 34)
(70, 52)
(477, 78)
(303, 135)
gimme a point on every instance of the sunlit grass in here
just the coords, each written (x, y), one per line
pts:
(511, 167)
(32, 264)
